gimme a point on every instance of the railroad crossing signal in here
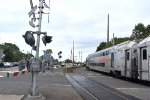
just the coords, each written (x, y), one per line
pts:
(31, 23)
(32, 11)
(35, 64)
(29, 38)
(46, 39)
(59, 54)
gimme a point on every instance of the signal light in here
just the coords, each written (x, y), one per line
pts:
(29, 38)
(60, 56)
(60, 52)
(46, 39)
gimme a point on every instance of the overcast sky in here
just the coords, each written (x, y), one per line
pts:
(84, 21)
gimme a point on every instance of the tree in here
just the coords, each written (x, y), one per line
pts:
(104, 45)
(120, 40)
(55, 61)
(101, 46)
(42, 57)
(147, 31)
(68, 61)
(139, 32)
(49, 50)
(12, 52)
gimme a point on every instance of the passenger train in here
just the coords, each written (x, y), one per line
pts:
(129, 59)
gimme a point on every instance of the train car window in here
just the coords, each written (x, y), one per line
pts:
(144, 54)
(128, 55)
(103, 53)
(103, 64)
(97, 64)
(107, 52)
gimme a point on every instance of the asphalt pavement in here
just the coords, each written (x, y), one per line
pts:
(53, 85)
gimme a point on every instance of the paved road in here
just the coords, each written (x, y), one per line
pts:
(52, 85)
(55, 86)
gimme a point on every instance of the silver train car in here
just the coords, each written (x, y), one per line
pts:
(129, 59)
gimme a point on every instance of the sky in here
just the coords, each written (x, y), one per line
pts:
(81, 21)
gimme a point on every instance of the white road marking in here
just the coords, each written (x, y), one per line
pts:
(10, 97)
(59, 85)
(5, 71)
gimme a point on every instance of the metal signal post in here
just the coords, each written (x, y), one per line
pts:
(34, 89)
(35, 63)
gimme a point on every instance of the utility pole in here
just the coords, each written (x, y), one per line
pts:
(71, 55)
(108, 31)
(81, 56)
(73, 52)
(113, 40)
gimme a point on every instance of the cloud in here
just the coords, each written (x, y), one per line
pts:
(83, 21)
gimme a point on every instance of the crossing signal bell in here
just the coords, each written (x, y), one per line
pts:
(29, 38)
(46, 39)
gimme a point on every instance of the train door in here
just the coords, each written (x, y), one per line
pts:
(127, 63)
(112, 60)
(144, 64)
(134, 63)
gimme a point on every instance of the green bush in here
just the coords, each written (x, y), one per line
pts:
(1, 65)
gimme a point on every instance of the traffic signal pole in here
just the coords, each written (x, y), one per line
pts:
(34, 88)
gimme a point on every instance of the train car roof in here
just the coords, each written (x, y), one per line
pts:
(109, 48)
(126, 45)
(144, 42)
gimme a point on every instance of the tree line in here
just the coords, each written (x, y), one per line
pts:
(140, 31)
(12, 53)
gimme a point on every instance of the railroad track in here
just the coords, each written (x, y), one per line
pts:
(91, 90)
